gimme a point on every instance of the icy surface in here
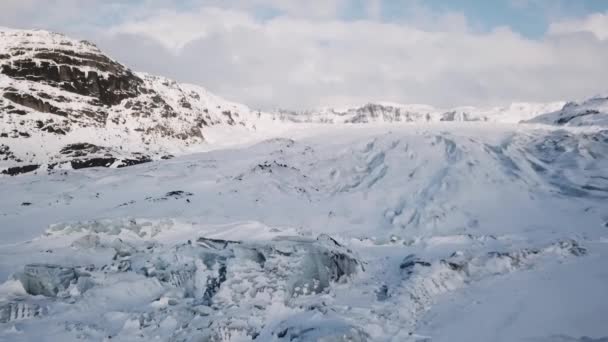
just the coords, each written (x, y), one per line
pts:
(428, 232)
(384, 222)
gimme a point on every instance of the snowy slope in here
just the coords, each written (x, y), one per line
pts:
(56, 92)
(64, 104)
(338, 233)
(591, 112)
(385, 222)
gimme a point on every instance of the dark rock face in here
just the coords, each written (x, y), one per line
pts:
(409, 264)
(80, 149)
(17, 170)
(60, 69)
(33, 102)
(107, 162)
(93, 162)
(566, 119)
(53, 86)
(6, 153)
(132, 162)
(171, 195)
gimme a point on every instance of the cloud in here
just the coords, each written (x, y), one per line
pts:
(596, 24)
(307, 9)
(175, 29)
(306, 54)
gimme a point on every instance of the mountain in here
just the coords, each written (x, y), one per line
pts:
(66, 105)
(393, 112)
(63, 103)
(591, 112)
(321, 226)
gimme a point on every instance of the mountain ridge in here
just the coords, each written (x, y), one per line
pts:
(57, 92)
(64, 104)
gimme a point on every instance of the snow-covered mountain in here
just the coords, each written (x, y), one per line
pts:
(393, 112)
(593, 111)
(327, 225)
(66, 105)
(63, 100)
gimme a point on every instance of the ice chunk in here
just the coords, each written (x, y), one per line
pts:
(15, 311)
(325, 261)
(300, 328)
(88, 241)
(46, 279)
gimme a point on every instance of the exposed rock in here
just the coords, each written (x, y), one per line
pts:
(87, 94)
(410, 261)
(93, 162)
(34, 103)
(5, 153)
(80, 149)
(60, 68)
(17, 170)
(177, 194)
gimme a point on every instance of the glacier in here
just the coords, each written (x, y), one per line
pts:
(368, 233)
(136, 208)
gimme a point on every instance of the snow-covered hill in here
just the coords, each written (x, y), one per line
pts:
(63, 103)
(591, 112)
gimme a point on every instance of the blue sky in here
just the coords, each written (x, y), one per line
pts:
(530, 18)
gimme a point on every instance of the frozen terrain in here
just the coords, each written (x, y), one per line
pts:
(353, 233)
(382, 222)
(64, 104)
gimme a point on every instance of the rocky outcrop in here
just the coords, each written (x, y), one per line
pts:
(65, 92)
(58, 70)
(32, 102)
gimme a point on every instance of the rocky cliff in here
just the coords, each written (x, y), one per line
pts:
(63, 103)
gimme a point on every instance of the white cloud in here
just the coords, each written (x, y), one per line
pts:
(374, 9)
(307, 57)
(596, 24)
(176, 29)
(309, 8)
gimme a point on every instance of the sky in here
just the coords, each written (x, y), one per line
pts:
(300, 54)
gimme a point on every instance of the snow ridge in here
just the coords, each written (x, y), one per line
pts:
(58, 94)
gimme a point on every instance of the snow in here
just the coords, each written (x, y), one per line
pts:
(141, 125)
(385, 222)
(41, 39)
(504, 222)
(591, 112)
(394, 112)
